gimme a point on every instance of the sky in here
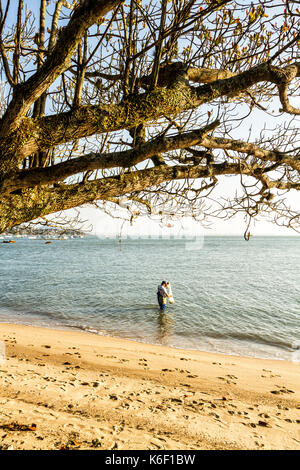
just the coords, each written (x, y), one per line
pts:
(104, 225)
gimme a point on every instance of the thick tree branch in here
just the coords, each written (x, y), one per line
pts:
(28, 92)
(195, 74)
(3, 17)
(56, 14)
(253, 150)
(17, 51)
(270, 184)
(95, 161)
(283, 78)
(166, 75)
(38, 202)
(6, 64)
(132, 111)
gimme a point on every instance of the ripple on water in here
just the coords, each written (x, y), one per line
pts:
(231, 296)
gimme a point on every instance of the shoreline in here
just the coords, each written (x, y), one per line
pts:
(95, 391)
(91, 330)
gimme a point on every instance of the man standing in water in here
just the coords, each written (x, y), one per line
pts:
(162, 295)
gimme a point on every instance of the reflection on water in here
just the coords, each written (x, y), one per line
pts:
(165, 327)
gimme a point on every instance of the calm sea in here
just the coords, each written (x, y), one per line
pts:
(231, 296)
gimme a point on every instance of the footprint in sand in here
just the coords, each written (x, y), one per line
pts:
(143, 363)
(264, 424)
(230, 382)
(282, 390)
(113, 397)
(264, 415)
(176, 400)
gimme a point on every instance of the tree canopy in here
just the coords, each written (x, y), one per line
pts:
(151, 102)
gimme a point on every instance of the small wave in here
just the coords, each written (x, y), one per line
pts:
(86, 328)
(24, 310)
(254, 338)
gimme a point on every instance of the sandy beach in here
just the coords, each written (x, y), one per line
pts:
(63, 389)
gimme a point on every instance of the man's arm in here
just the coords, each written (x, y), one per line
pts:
(165, 292)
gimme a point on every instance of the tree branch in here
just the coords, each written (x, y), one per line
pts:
(46, 132)
(95, 161)
(252, 150)
(28, 92)
(16, 55)
(38, 202)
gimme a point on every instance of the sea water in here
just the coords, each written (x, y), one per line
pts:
(231, 296)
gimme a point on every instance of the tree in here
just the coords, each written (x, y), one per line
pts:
(148, 100)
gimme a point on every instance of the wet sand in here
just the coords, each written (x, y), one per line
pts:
(64, 389)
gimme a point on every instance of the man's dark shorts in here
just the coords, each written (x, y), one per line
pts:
(161, 302)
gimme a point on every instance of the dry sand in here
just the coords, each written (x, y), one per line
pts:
(68, 389)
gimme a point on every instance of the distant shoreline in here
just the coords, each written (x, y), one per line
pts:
(146, 237)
